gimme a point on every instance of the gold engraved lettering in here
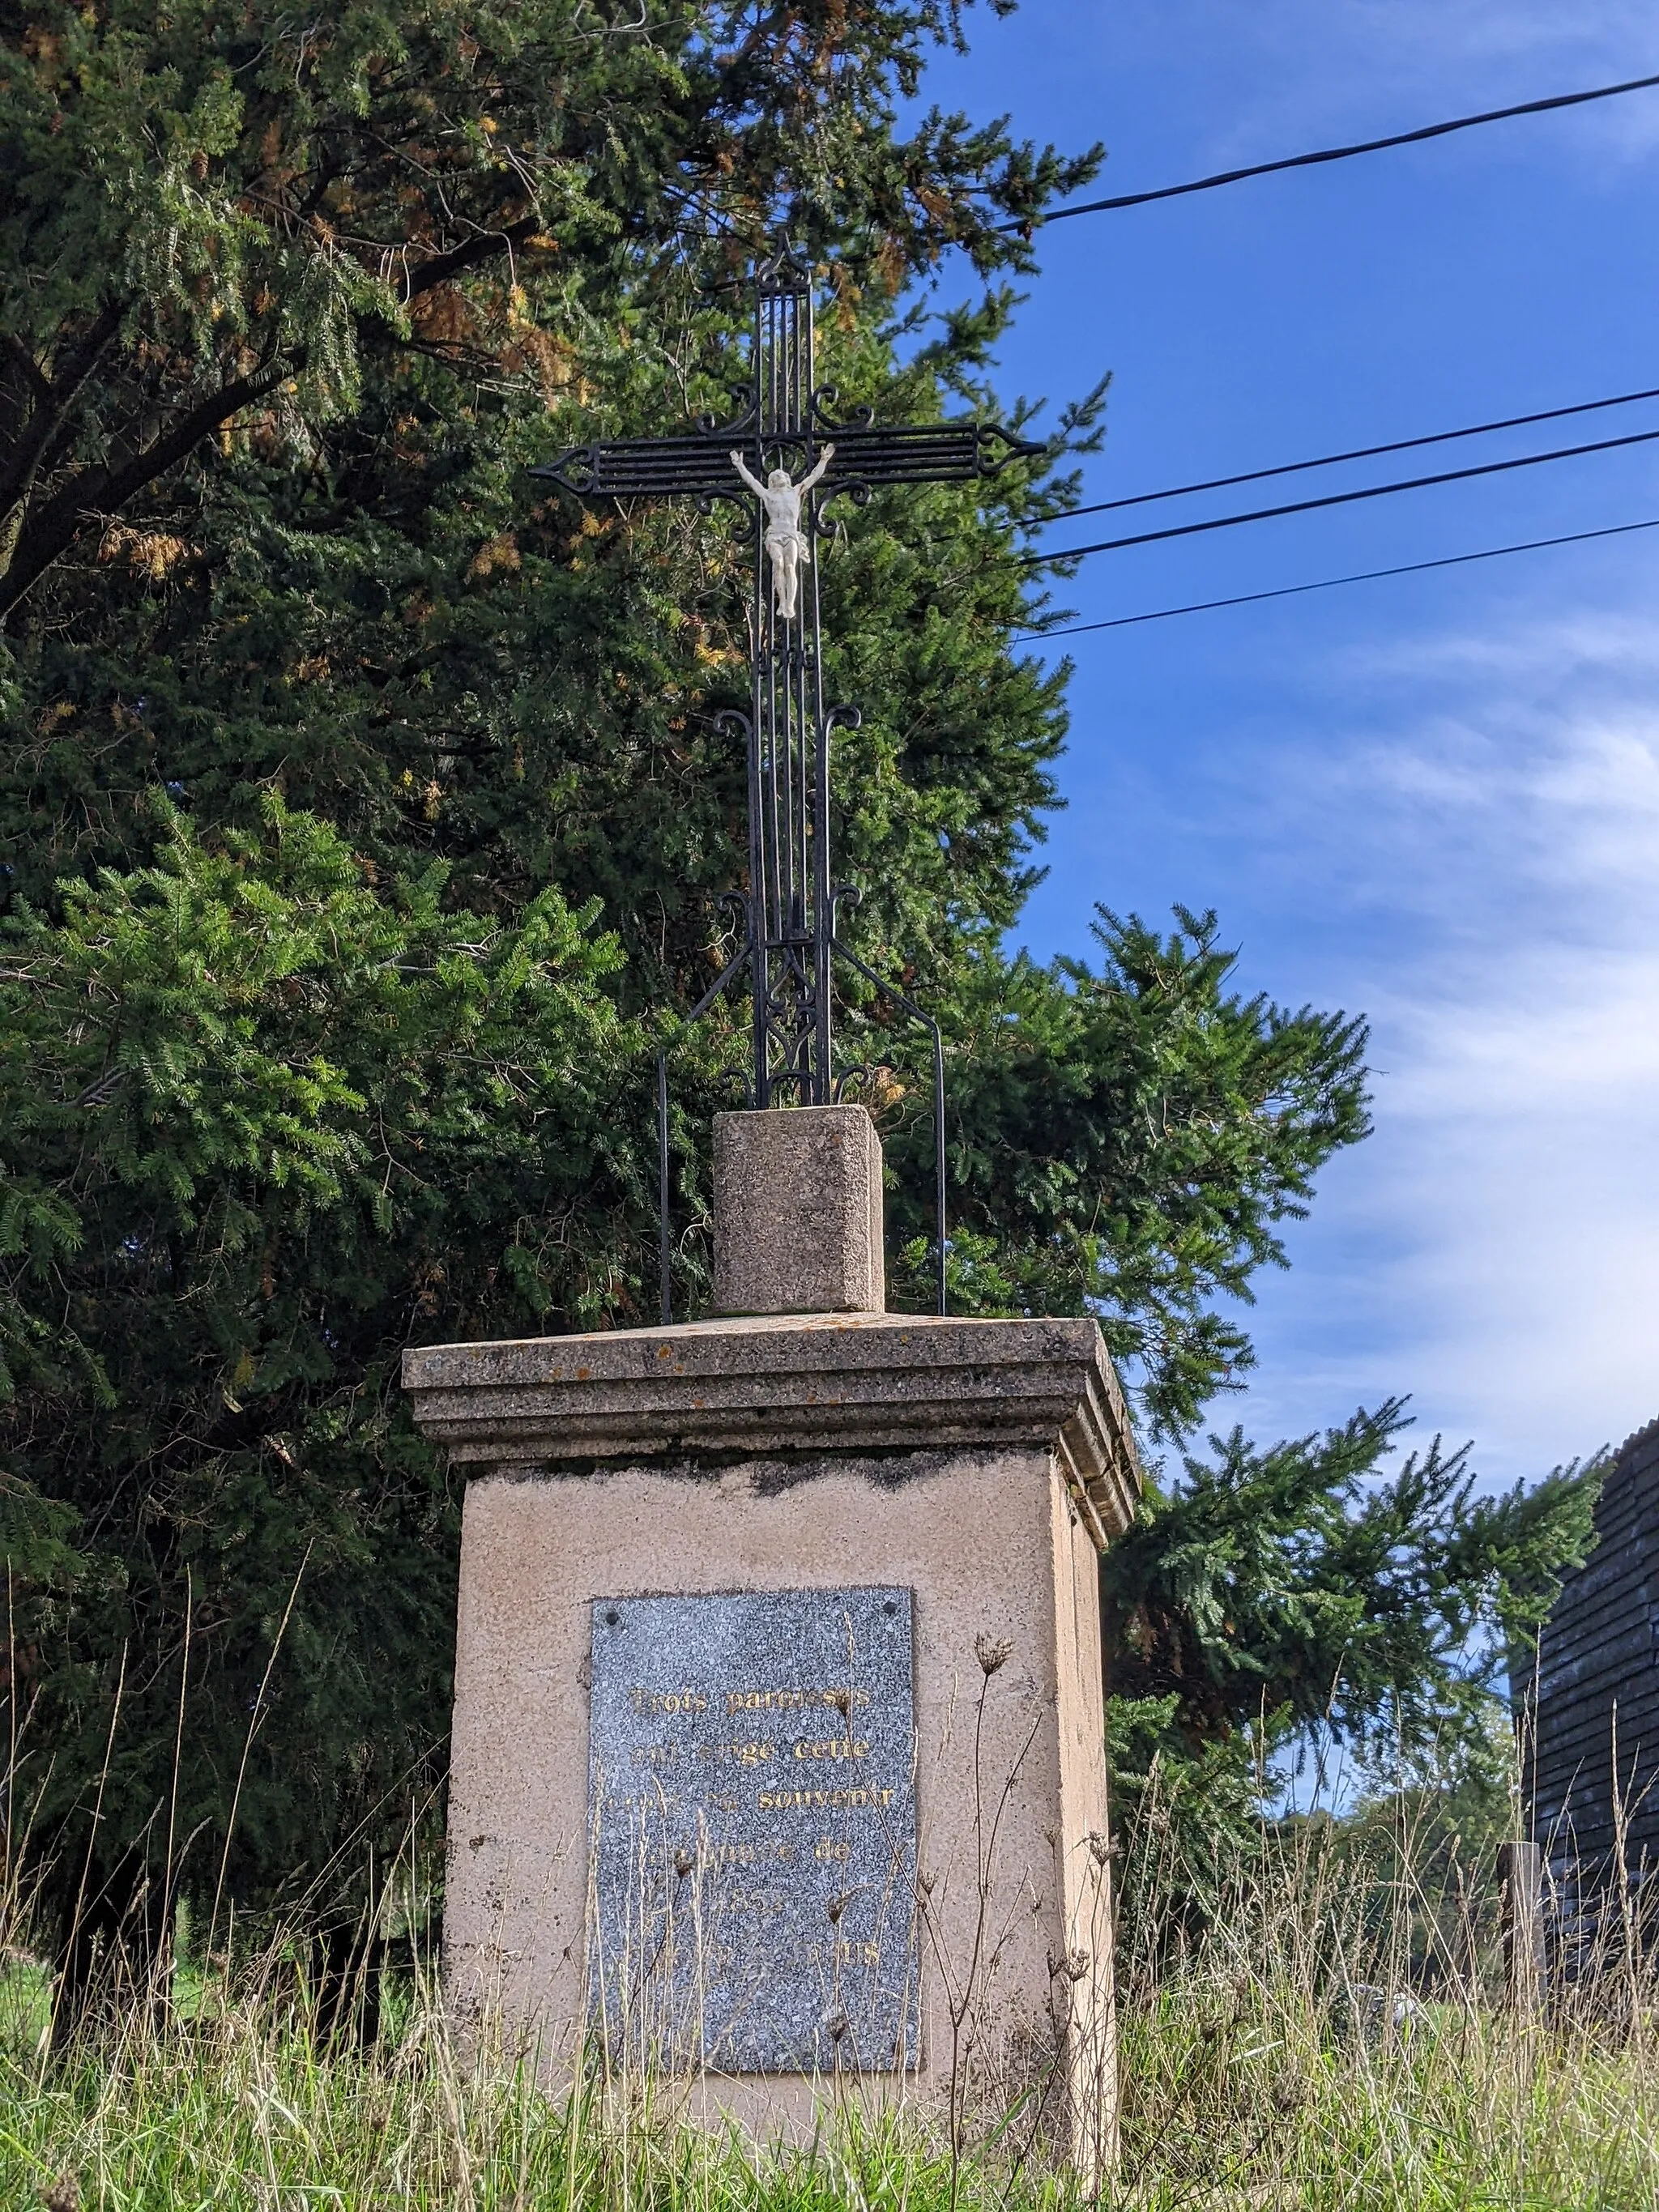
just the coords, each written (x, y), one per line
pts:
(772, 1701)
(832, 1748)
(772, 1848)
(667, 1701)
(762, 1902)
(789, 1801)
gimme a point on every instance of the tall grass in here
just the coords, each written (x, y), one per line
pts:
(1329, 2019)
(1315, 2022)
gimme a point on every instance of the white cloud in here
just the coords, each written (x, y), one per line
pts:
(1342, 62)
(1489, 872)
(1454, 825)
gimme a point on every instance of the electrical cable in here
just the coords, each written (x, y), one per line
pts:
(1334, 154)
(1363, 452)
(1331, 499)
(1330, 583)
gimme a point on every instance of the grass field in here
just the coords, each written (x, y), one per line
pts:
(1271, 2056)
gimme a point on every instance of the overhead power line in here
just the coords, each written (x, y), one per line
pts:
(1330, 583)
(1337, 153)
(1332, 499)
(1363, 453)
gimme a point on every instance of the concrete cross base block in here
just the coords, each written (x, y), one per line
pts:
(779, 1764)
(797, 1214)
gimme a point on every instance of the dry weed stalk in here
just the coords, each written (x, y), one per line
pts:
(1335, 2029)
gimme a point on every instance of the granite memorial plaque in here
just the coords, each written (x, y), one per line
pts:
(751, 1798)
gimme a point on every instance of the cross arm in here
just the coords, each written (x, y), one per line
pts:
(867, 456)
(694, 466)
(697, 465)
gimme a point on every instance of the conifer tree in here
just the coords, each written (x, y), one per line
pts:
(364, 814)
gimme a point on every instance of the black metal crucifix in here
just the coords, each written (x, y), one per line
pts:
(788, 425)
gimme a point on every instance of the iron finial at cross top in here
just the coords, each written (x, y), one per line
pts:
(785, 457)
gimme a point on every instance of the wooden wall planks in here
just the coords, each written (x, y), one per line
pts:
(1597, 1681)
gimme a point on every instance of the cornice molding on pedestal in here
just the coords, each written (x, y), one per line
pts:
(819, 1383)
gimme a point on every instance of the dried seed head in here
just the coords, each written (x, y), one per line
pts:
(836, 1906)
(62, 2195)
(837, 2024)
(1100, 1847)
(684, 1861)
(841, 1699)
(926, 1882)
(1074, 1965)
(992, 1652)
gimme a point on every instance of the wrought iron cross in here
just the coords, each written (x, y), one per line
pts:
(787, 422)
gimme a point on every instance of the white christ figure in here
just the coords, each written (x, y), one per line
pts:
(786, 541)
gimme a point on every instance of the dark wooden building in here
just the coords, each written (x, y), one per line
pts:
(1591, 1712)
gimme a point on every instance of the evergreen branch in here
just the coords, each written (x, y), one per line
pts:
(55, 395)
(95, 492)
(441, 267)
(37, 383)
(55, 399)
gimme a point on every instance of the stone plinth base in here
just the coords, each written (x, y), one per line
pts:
(798, 1212)
(979, 1465)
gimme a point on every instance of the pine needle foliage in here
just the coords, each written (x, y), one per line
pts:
(259, 1108)
(1308, 1591)
(364, 812)
(206, 210)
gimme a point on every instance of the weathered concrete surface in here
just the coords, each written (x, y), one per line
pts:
(981, 1464)
(1015, 1976)
(798, 1212)
(786, 1384)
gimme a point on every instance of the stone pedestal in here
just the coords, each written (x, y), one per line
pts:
(798, 1212)
(949, 1481)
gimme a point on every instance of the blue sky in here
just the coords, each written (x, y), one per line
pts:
(1434, 799)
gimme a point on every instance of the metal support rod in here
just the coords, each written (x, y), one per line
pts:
(938, 1156)
(750, 955)
(664, 1279)
(920, 1014)
(1520, 1881)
